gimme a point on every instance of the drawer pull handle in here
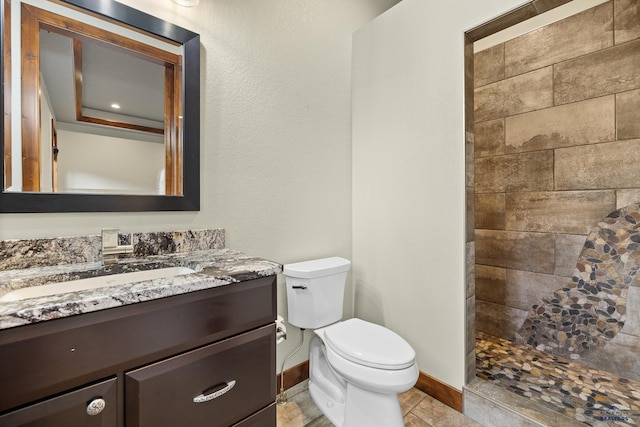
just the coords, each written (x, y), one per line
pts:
(219, 392)
(96, 406)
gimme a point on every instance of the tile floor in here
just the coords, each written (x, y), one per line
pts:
(419, 409)
(564, 386)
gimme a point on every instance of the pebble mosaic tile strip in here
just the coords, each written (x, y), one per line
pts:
(591, 309)
(593, 397)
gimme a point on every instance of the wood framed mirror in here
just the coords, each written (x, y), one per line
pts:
(175, 123)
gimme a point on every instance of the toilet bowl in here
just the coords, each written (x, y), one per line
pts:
(356, 368)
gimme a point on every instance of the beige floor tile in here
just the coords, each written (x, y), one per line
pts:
(438, 414)
(412, 421)
(409, 399)
(298, 412)
(418, 408)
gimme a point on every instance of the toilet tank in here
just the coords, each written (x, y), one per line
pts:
(315, 291)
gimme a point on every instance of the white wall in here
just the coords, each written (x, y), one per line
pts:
(276, 132)
(408, 175)
(105, 164)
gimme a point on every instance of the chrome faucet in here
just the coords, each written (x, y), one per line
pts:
(110, 247)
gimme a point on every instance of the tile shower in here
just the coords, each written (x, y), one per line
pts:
(556, 137)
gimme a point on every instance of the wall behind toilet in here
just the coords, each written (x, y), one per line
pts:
(409, 176)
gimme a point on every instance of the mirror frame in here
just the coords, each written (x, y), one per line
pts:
(16, 202)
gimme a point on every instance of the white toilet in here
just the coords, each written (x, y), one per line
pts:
(356, 368)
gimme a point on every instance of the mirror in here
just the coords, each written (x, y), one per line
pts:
(165, 129)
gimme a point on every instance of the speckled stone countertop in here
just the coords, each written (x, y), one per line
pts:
(214, 267)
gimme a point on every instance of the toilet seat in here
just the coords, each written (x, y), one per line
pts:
(369, 344)
(366, 377)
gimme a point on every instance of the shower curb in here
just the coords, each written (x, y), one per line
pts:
(493, 406)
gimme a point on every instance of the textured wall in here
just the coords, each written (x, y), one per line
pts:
(556, 143)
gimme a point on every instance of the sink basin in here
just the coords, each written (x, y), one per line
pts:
(93, 283)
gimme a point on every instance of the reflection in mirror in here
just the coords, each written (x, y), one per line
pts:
(104, 113)
(120, 98)
(75, 73)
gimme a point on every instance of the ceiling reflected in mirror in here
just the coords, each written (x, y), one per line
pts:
(113, 85)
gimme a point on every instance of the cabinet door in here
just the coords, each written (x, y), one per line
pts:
(79, 408)
(213, 386)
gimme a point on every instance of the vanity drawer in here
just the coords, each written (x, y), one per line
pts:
(69, 409)
(162, 394)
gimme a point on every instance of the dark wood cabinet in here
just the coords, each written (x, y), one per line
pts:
(154, 358)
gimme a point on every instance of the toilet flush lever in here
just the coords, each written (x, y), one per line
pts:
(303, 286)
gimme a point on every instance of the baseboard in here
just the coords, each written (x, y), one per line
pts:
(438, 390)
(294, 375)
(426, 383)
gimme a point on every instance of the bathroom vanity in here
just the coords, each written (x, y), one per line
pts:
(192, 350)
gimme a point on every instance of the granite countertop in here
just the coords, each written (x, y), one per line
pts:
(214, 267)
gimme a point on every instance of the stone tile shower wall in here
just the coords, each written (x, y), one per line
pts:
(557, 148)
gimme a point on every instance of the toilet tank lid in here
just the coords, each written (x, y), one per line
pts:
(317, 268)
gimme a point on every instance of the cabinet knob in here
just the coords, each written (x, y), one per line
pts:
(96, 406)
